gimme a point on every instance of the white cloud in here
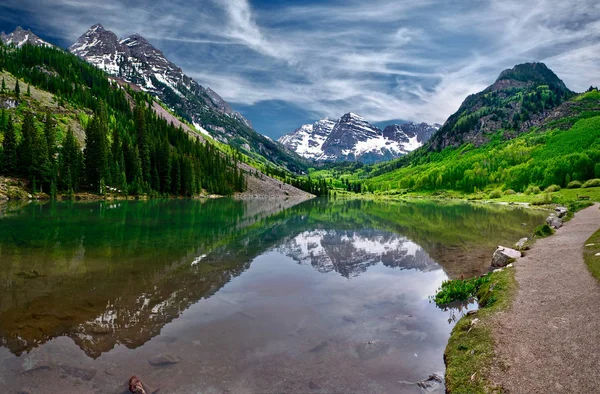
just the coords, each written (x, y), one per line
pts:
(385, 59)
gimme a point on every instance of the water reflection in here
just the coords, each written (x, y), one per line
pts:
(114, 276)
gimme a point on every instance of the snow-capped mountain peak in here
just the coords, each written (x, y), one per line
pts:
(20, 37)
(353, 138)
(135, 60)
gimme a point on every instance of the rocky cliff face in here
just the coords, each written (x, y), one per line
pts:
(20, 37)
(352, 138)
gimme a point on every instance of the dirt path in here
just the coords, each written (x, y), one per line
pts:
(549, 342)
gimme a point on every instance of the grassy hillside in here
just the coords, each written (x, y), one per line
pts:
(560, 152)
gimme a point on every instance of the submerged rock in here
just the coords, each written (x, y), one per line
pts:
(433, 382)
(554, 221)
(561, 211)
(504, 256)
(163, 359)
(522, 244)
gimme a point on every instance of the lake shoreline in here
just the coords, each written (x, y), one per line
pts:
(476, 355)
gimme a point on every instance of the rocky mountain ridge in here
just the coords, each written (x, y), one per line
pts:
(520, 98)
(352, 138)
(134, 60)
(20, 37)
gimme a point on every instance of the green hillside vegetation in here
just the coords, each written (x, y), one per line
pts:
(127, 147)
(535, 159)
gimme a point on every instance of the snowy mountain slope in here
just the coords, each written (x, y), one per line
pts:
(20, 37)
(308, 140)
(352, 138)
(134, 60)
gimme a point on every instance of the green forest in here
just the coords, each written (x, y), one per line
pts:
(128, 148)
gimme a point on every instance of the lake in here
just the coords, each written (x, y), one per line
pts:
(226, 296)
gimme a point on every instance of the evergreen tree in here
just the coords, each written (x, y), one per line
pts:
(96, 152)
(69, 163)
(50, 134)
(142, 142)
(28, 94)
(24, 153)
(17, 89)
(10, 162)
(3, 85)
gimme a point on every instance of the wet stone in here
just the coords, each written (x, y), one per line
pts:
(319, 347)
(163, 360)
(35, 361)
(79, 372)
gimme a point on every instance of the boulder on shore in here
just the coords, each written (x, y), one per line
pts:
(504, 256)
(522, 244)
(561, 211)
(554, 221)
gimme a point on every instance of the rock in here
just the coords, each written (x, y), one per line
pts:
(504, 256)
(554, 221)
(35, 361)
(313, 386)
(163, 359)
(589, 245)
(561, 211)
(597, 254)
(522, 244)
(79, 372)
(431, 383)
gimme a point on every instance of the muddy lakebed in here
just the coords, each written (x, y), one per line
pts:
(225, 296)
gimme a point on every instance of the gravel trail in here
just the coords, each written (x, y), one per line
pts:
(549, 342)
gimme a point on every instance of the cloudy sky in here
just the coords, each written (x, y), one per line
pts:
(284, 63)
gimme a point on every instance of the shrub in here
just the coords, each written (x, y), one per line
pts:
(533, 190)
(509, 192)
(459, 290)
(552, 189)
(592, 183)
(495, 194)
(574, 185)
(544, 199)
(543, 231)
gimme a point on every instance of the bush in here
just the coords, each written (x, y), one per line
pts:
(495, 194)
(574, 185)
(543, 231)
(533, 190)
(544, 199)
(459, 290)
(509, 192)
(592, 183)
(552, 189)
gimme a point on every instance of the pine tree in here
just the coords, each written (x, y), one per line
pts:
(28, 94)
(96, 151)
(50, 134)
(24, 153)
(69, 163)
(17, 89)
(10, 161)
(142, 142)
(3, 85)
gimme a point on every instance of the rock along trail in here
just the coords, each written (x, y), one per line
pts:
(549, 342)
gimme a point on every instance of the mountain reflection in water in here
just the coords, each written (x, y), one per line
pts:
(109, 275)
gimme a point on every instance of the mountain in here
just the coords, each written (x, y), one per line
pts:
(134, 60)
(20, 37)
(308, 140)
(520, 98)
(352, 138)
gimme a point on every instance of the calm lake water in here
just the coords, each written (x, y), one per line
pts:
(225, 296)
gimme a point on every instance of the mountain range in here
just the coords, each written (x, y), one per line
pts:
(134, 60)
(352, 138)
